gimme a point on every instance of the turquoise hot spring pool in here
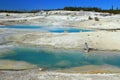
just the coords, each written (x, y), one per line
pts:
(55, 29)
(60, 58)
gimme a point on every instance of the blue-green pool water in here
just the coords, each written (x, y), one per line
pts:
(54, 58)
(49, 28)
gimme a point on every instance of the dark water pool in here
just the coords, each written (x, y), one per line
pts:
(54, 59)
(48, 28)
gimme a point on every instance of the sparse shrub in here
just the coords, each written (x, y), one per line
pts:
(7, 15)
(96, 19)
(90, 18)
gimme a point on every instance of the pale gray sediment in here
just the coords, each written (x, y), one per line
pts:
(36, 74)
(100, 40)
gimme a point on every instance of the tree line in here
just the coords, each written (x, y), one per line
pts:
(95, 9)
(20, 11)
